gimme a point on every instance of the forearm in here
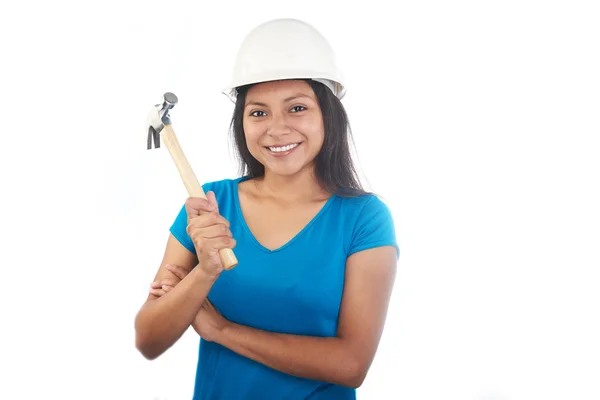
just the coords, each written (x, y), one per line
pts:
(327, 359)
(162, 321)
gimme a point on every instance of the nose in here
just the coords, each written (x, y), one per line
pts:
(278, 125)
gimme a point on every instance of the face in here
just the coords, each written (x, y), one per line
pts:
(283, 125)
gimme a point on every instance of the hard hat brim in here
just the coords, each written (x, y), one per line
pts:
(334, 83)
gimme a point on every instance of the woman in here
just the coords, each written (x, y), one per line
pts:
(301, 315)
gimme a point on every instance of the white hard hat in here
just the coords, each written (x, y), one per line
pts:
(285, 49)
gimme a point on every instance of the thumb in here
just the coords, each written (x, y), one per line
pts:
(210, 196)
(196, 205)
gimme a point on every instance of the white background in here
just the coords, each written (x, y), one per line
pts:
(478, 122)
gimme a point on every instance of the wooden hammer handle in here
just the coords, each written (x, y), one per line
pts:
(191, 183)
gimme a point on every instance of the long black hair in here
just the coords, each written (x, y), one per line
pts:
(334, 167)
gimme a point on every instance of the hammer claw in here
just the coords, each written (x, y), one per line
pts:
(153, 136)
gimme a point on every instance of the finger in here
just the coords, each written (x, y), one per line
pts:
(155, 285)
(214, 231)
(157, 292)
(221, 242)
(180, 272)
(207, 219)
(166, 288)
(198, 224)
(198, 205)
(168, 282)
(158, 284)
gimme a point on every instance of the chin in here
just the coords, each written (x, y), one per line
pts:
(285, 171)
(290, 170)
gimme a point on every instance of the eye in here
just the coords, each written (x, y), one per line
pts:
(298, 108)
(253, 113)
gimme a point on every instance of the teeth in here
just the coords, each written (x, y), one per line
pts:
(284, 148)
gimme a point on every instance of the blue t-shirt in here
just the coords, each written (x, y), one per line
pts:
(295, 289)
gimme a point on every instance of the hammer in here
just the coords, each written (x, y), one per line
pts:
(159, 125)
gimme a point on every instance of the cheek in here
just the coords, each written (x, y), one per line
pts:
(252, 134)
(312, 128)
(314, 131)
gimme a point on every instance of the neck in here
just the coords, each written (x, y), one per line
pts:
(300, 188)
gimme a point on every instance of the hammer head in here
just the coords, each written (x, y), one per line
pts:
(159, 117)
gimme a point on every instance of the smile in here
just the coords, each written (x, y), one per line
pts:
(282, 148)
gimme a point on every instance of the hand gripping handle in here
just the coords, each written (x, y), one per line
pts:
(191, 183)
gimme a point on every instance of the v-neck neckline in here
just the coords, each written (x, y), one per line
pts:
(238, 208)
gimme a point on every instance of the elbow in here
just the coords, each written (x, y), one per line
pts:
(149, 347)
(355, 381)
(145, 343)
(356, 374)
(145, 348)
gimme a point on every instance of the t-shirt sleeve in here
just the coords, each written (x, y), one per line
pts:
(179, 227)
(179, 230)
(374, 227)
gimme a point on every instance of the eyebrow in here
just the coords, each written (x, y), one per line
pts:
(295, 96)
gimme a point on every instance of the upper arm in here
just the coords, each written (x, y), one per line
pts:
(369, 279)
(177, 254)
(370, 276)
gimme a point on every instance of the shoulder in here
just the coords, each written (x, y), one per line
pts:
(368, 202)
(368, 221)
(221, 184)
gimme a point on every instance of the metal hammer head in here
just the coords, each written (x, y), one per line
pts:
(159, 117)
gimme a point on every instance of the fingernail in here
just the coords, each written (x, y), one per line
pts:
(164, 287)
(169, 266)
